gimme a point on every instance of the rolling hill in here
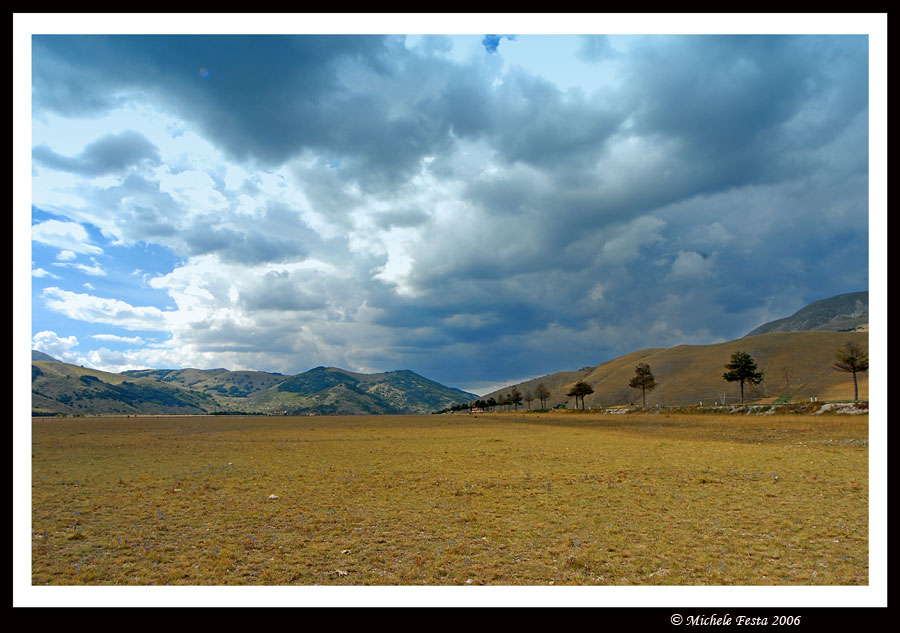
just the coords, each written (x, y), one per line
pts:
(796, 365)
(795, 355)
(61, 388)
(400, 391)
(58, 387)
(216, 382)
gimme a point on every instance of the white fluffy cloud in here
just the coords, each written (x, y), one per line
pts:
(93, 309)
(70, 237)
(689, 265)
(381, 203)
(56, 346)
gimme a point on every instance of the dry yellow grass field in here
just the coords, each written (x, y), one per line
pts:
(512, 499)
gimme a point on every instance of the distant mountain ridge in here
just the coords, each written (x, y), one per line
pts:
(841, 313)
(62, 388)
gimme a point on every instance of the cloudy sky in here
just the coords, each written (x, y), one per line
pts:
(479, 208)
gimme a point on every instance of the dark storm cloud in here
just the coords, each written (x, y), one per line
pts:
(239, 246)
(277, 291)
(737, 109)
(228, 336)
(137, 210)
(740, 107)
(715, 114)
(539, 124)
(712, 179)
(260, 94)
(111, 153)
(401, 218)
(466, 101)
(265, 97)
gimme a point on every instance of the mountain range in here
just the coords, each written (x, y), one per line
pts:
(62, 388)
(794, 353)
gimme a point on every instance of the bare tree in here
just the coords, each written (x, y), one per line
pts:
(542, 393)
(788, 373)
(529, 398)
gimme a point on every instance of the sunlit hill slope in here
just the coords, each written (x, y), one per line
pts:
(796, 365)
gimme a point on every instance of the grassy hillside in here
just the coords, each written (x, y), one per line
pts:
(796, 365)
(336, 391)
(69, 389)
(216, 382)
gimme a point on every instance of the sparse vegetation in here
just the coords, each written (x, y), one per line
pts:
(502, 499)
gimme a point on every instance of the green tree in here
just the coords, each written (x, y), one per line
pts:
(643, 379)
(742, 368)
(515, 398)
(579, 390)
(851, 358)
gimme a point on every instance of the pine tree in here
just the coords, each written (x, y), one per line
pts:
(643, 379)
(742, 368)
(579, 390)
(515, 398)
(851, 359)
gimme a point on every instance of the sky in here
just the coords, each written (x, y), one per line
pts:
(479, 208)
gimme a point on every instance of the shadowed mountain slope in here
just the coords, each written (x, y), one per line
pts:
(68, 389)
(840, 313)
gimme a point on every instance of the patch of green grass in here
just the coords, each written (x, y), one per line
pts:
(506, 499)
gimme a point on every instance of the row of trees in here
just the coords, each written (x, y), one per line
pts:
(851, 359)
(643, 379)
(513, 399)
(741, 368)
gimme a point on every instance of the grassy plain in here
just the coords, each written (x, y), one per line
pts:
(506, 499)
